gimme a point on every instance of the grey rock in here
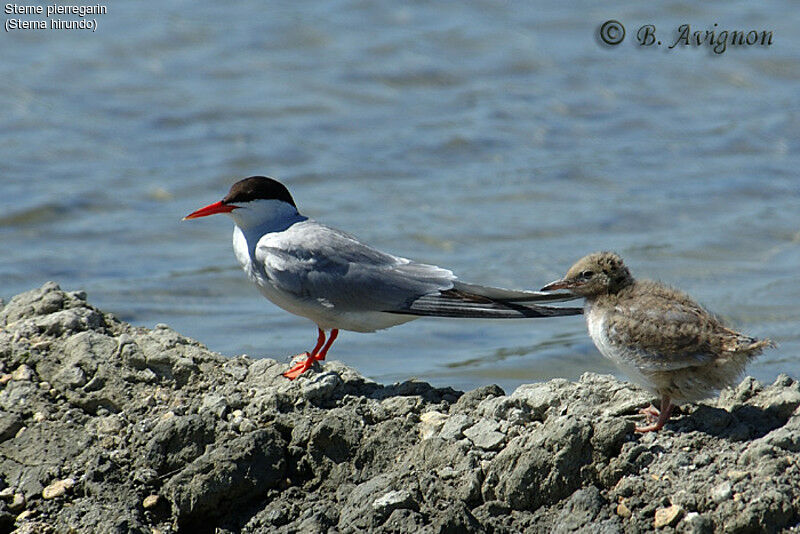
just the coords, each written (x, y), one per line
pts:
(484, 434)
(229, 445)
(470, 400)
(215, 404)
(722, 492)
(358, 511)
(176, 441)
(548, 459)
(393, 500)
(235, 473)
(10, 423)
(454, 427)
(321, 387)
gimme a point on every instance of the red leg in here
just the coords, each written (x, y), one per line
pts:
(663, 417)
(302, 366)
(324, 352)
(320, 341)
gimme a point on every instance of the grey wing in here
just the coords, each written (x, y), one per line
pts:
(315, 262)
(662, 338)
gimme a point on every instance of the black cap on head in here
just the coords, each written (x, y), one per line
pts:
(255, 188)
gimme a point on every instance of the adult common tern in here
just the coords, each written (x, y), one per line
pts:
(330, 277)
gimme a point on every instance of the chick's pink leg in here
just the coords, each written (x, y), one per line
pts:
(663, 417)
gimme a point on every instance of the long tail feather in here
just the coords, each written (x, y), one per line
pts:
(460, 304)
(512, 295)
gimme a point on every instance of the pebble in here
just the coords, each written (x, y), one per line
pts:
(247, 426)
(22, 373)
(321, 387)
(214, 403)
(694, 523)
(58, 488)
(736, 476)
(430, 423)
(5, 379)
(6, 493)
(151, 501)
(455, 425)
(25, 515)
(392, 501)
(38, 417)
(722, 492)
(623, 511)
(17, 502)
(484, 434)
(111, 424)
(668, 517)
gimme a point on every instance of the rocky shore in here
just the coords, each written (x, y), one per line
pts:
(107, 427)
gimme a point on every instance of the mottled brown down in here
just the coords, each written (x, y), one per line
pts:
(658, 334)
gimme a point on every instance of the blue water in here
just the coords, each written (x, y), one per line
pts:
(496, 139)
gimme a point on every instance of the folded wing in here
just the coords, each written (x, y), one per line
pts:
(317, 263)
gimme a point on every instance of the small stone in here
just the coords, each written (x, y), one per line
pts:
(145, 475)
(246, 426)
(38, 417)
(151, 501)
(5, 379)
(321, 387)
(722, 492)
(71, 377)
(6, 493)
(214, 403)
(736, 476)
(95, 384)
(668, 517)
(45, 386)
(17, 502)
(623, 511)
(392, 501)
(455, 425)
(58, 488)
(24, 516)
(430, 423)
(484, 435)
(22, 373)
(111, 424)
(696, 523)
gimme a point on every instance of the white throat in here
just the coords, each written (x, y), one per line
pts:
(259, 217)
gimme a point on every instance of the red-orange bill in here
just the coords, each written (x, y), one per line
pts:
(211, 209)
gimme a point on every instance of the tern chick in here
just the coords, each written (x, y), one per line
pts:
(658, 336)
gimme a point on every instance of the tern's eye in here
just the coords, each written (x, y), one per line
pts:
(587, 274)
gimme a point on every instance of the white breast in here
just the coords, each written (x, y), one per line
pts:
(621, 356)
(316, 309)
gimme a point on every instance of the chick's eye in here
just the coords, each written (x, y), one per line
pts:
(587, 274)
